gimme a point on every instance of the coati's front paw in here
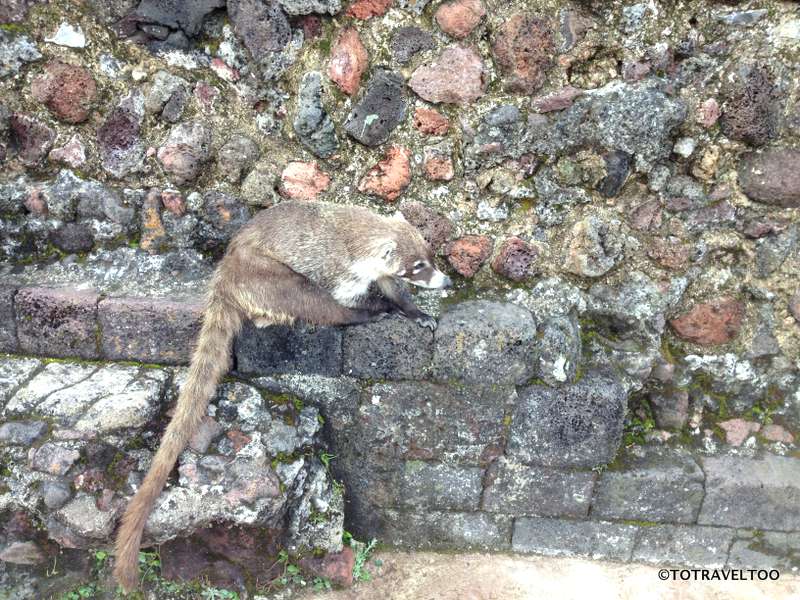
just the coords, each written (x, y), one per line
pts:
(424, 320)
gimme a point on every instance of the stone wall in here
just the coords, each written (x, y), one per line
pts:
(612, 186)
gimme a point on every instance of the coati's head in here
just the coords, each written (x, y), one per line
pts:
(409, 257)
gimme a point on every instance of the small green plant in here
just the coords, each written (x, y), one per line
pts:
(100, 558)
(360, 572)
(326, 459)
(149, 565)
(291, 572)
(321, 584)
(84, 591)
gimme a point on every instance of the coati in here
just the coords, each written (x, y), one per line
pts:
(314, 262)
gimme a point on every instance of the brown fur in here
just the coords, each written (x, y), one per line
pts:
(284, 265)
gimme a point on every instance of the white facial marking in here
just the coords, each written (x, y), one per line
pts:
(437, 280)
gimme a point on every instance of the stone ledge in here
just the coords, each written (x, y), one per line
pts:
(761, 493)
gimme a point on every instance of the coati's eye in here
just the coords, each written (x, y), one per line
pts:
(418, 266)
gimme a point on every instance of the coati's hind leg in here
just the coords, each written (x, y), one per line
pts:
(273, 294)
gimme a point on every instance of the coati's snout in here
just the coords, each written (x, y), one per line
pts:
(424, 274)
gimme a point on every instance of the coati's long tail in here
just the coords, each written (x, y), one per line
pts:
(210, 361)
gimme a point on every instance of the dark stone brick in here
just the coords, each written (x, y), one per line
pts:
(772, 176)
(618, 166)
(73, 237)
(8, 325)
(434, 227)
(439, 485)
(148, 330)
(435, 530)
(683, 546)
(408, 41)
(577, 425)
(481, 341)
(381, 108)
(57, 322)
(284, 349)
(537, 491)
(393, 348)
(751, 113)
(760, 493)
(556, 537)
(420, 420)
(657, 485)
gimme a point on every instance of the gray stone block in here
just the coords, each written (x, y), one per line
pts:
(761, 493)
(148, 330)
(420, 420)
(57, 322)
(577, 425)
(439, 485)
(558, 537)
(284, 349)
(537, 491)
(485, 342)
(8, 325)
(657, 484)
(435, 530)
(683, 545)
(22, 433)
(770, 550)
(393, 348)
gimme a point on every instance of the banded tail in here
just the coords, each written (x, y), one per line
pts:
(210, 362)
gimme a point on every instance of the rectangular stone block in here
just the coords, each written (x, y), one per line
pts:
(283, 349)
(770, 550)
(557, 537)
(8, 325)
(757, 493)
(440, 485)
(683, 545)
(577, 425)
(420, 420)
(57, 322)
(660, 485)
(393, 348)
(149, 330)
(436, 530)
(537, 491)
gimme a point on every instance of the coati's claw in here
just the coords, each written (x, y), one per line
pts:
(426, 321)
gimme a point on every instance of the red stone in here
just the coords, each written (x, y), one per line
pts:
(430, 122)
(303, 181)
(458, 76)
(336, 567)
(173, 201)
(33, 138)
(67, 90)
(238, 439)
(559, 100)
(389, 177)
(515, 259)
(365, 9)
(669, 253)
(646, 216)
(437, 165)
(73, 153)
(738, 430)
(348, 61)
(223, 70)
(708, 113)
(459, 17)
(35, 203)
(206, 94)
(710, 323)
(468, 253)
(794, 306)
(434, 227)
(524, 48)
(776, 433)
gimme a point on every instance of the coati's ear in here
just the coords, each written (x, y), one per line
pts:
(386, 249)
(398, 216)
